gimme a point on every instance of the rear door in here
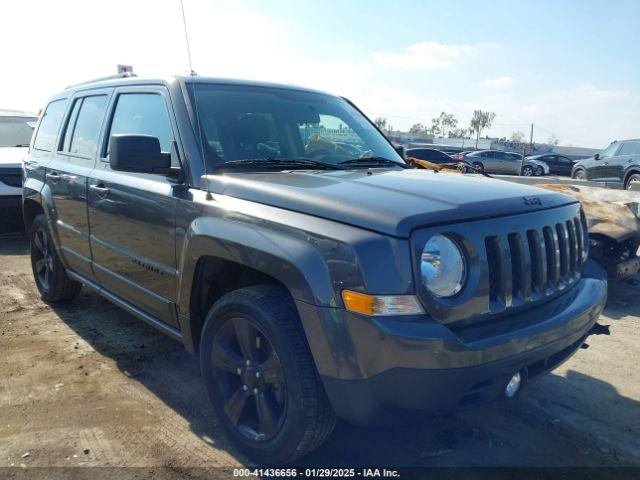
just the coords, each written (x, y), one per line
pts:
(628, 155)
(563, 165)
(67, 173)
(132, 215)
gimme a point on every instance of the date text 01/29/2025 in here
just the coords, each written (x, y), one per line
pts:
(316, 472)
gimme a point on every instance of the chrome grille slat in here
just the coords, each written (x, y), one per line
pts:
(574, 259)
(563, 249)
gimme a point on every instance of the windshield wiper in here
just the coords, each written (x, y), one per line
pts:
(279, 161)
(22, 145)
(372, 161)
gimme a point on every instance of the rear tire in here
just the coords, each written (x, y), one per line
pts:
(48, 272)
(527, 171)
(633, 179)
(256, 365)
(539, 171)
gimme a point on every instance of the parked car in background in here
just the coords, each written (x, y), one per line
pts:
(429, 154)
(558, 164)
(16, 129)
(619, 163)
(497, 161)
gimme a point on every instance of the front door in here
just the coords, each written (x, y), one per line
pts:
(604, 169)
(132, 215)
(66, 177)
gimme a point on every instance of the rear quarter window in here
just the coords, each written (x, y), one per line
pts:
(49, 125)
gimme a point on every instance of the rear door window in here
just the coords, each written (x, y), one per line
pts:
(49, 125)
(84, 139)
(630, 148)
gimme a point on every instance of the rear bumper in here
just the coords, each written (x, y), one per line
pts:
(370, 366)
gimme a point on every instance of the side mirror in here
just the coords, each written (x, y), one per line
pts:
(399, 149)
(138, 153)
(596, 156)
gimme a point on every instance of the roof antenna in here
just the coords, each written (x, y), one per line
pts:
(186, 37)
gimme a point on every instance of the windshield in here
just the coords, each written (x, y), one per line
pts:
(610, 150)
(267, 124)
(16, 131)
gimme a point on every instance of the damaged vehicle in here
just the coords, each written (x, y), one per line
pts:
(314, 281)
(614, 227)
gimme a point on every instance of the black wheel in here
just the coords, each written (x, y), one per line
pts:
(49, 273)
(632, 180)
(527, 171)
(478, 166)
(260, 376)
(539, 171)
(580, 175)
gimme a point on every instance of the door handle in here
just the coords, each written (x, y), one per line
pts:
(54, 177)
(31, 166)
(605, 163)
(99, 189)
(68, 178)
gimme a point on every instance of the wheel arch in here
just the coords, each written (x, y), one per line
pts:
(631, 171)
(239, 256)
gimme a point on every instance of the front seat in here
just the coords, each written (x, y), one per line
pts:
(251, 131)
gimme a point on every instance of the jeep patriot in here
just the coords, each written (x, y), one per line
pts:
(279, 235)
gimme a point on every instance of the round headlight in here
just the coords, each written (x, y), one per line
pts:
(442, 266)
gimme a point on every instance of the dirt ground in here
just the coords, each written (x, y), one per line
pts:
(87, 384)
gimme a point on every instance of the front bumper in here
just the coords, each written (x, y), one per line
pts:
(370, 366)
(11, 209)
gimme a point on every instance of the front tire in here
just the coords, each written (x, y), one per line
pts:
(260, 376)
(479, 167)
(50, 276)
(527, 171)
(580, 175)
(633, 179)
(539, 171)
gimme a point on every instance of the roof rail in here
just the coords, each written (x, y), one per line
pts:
(101, 79)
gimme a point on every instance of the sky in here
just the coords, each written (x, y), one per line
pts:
(571, 68)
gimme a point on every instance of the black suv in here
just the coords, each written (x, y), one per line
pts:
(619, 163)
(312, 281)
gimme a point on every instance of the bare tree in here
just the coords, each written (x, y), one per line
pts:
(480, 121)
(553, 140)
(458, 133)
(447, 122)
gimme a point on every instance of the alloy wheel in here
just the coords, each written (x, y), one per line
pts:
(250, 380)
(527, 171)
(43, 258)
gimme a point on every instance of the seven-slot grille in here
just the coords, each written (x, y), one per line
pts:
(528, 265)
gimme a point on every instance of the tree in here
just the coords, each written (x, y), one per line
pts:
(458, 133)
(553, 140)
(381, 123)
(418, 128)
(447, 121)
(480, 121)
(517, 136)
(435, 126)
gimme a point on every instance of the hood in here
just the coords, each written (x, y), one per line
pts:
(393, 202)
(12, 156)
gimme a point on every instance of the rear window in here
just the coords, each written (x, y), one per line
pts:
(84, 139)
(49, 125)
(16, 131)
(630, 148)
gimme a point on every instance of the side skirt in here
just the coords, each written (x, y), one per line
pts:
(141, 314)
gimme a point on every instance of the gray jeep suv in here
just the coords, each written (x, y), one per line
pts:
(313, 280)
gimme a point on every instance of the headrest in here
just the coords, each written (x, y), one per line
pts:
(252, 129)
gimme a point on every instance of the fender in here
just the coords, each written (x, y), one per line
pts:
(293, 261)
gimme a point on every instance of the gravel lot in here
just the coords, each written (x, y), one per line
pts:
(87, 384)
